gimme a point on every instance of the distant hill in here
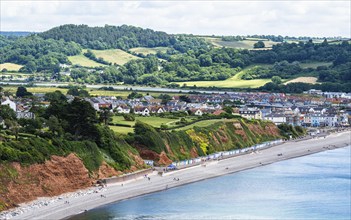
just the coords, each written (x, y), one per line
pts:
(109, 37)
(112, 52)
(15, 33)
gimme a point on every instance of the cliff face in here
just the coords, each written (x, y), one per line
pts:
(58, 175)
(23, 183)
(165, 147)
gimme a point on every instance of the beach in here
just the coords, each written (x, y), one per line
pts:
(74, 203)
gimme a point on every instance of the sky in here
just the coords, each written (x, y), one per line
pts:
(316, 18)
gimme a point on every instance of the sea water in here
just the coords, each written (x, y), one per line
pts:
(317, 186)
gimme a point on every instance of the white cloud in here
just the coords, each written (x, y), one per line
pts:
(293, 18)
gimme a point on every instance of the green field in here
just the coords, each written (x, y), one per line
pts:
(157, 122)
(10, 66)
(151, 120)
(122, 130)
(13, 89)
(244, 44)
(146, 51)
(92, 92)
(233, 82)
(117, 56)
(83, 61)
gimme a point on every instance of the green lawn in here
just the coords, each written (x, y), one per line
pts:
(152, 120)
(122, 130)
(83, 61)
(10, 66)
(117, 56)
(157, 122)
(233, 82)
(146, 50)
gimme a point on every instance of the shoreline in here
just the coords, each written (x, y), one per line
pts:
(70, 204)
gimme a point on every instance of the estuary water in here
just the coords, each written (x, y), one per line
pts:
(317, 186)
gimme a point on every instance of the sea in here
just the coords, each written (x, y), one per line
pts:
(316, 186)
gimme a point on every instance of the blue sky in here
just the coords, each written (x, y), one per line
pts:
(292, 18)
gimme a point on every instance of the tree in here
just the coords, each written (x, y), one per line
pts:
(56, 96)
(276, 80)
(105, 115)
(22, 92)
(78, 92)
(259, 44)
(13, 126)
(228, 109)
(54, 126)
(165, 98)
(184, 98)
(7, 113)
(81, 118)
(129, 117)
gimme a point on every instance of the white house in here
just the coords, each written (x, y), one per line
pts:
(26, 115)
(10, 103)
(250, 113)
(198, 112)
(331, 120)
(140, 110)
(157, 110)
(276, 118)
(123, 109)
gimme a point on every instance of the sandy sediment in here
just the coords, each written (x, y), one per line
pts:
(75, 203)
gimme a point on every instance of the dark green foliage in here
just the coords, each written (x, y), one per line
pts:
(129, 117)
(259, 44)
(147, 135)
(78, 92)
(117, 148)
(123, 37)
(288, 131)
(92, 56)
(81, 118)
(7, 113)
(37, 54)
(37, 150)
(22, 92)
(134, 95)
(105, 115)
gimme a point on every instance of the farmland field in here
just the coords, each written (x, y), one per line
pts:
(245, 44)
(92, 92)
(233, 82)
(13, 89)
(10, 66)
(146, 51)
(307, 79)
(117, 56)
(83, 61)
